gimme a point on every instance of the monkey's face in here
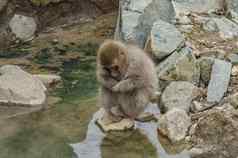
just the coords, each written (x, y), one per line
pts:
(114, 70)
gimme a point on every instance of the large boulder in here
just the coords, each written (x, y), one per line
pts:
(137, 17)
(18, 87)
(174, 124)
(179, 95)
(23, 27)
(220, 78)
(165, 39)
(180, 66)
(215, 134)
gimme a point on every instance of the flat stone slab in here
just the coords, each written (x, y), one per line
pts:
(123, 125)
(219, 82)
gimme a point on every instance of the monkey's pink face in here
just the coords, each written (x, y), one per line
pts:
(114, 71)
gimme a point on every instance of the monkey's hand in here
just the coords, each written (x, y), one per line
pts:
(127, 85)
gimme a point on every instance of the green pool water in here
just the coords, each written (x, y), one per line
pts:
(50, 132)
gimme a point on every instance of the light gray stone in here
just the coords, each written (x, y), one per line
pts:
(137, 17)
(185, 7)
(23, 27)
(165, 39)
(227, 29)
(174, 124)
(180, 66)
(219, 82)
(20, 88)
(179, 95)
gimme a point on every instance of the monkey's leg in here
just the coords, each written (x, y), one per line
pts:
(108, 102)
(134, 103)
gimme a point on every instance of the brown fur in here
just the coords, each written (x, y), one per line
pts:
(130, 93)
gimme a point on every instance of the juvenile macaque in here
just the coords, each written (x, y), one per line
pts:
(128, 80)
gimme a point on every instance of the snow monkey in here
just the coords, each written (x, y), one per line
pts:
(128, 80)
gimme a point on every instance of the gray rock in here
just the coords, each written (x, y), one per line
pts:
(23, 27)
(197, 6)
(234, 15)
(180, 66)
(233, 58)
(3, 4)
(179, 95)
(216, 134)
(174, 124)
(49, 79)
(233, 100)
(227, 29)
(205, 64)
(18, 87)
(137, 17)
(210, 26)
(219, 82)
(165, 39)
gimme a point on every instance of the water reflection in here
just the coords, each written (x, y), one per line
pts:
(142, 142)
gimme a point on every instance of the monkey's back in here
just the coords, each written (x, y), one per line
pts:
(142, 65)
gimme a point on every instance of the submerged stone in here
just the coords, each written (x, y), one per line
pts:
(220, 78)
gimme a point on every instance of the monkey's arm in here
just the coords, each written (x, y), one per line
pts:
(129, 84)
(105, 80)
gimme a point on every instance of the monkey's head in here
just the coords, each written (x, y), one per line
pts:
(112, 56)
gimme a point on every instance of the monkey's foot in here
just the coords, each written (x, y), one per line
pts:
(109, 118)
(145, 117)
(117, 111)
(123, 125)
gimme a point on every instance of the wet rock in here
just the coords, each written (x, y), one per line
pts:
(216, 134)
(205, 64)
(48, 80)
(124, 124)
(23, 27)
(219, 82)
(180, 66)
(3, 4)
(227, 29)
(165, 39)
(174, 124)
(18, 87)
(184, 7)
(137, 17)
(179, 95)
